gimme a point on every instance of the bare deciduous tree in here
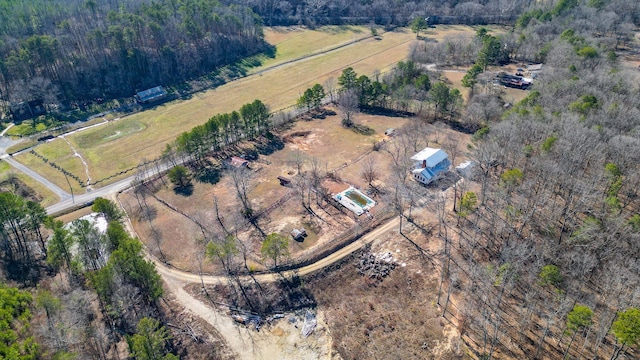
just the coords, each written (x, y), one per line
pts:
(297, 159)
(349, 106)
(370, 170)
(241, 178)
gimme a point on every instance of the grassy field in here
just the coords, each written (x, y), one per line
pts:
(59, 152)
(295, 42)
(142, 136)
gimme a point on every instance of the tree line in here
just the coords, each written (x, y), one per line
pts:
(222, 130)
(71, 52)
(398, 13)
(111, 263)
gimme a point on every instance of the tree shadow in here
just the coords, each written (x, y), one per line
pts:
(269, 144)
(449, 179)
(22, 272)
(185, 191)
(382, 111)
(209, 175)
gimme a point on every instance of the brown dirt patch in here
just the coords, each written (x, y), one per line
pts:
(325, 140)
(18, 187)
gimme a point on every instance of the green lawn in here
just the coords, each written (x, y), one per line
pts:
(59, 152)
(109, 132)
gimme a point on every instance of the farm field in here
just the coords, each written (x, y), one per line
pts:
(109, 151)
(296, 42)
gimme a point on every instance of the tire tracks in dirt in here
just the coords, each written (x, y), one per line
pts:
(246, 343)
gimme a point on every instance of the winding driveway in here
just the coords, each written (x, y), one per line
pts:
(246, 343)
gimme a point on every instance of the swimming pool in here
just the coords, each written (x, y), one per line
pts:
(355, 200)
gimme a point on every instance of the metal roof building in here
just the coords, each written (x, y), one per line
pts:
(430, 164)
(151, 95)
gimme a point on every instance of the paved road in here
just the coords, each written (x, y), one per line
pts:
(89, 196)
(63, 195)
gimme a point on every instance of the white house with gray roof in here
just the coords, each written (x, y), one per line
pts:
(430, 164)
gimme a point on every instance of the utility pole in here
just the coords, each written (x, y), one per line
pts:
(73, 201)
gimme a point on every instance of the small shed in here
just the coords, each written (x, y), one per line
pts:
(465, 169)
(534, 67)
(298, 234)
(151, 95)
(534, 70)
(238, 162)
(284, 181)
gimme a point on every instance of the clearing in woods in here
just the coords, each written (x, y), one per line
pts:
(279, 88)
(325, 140)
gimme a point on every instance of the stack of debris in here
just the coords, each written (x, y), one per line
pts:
(375, 266)
(310, 323)
(247, 319)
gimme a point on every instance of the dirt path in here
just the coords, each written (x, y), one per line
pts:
(84, 163)
(172, 274)
(281, 341)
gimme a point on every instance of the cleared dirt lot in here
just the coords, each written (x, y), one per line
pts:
(174, 236)
(326, 140)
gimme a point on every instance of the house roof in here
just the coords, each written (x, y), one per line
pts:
(534, 67)
(237, 161)
(151, 94)
(426, 173)
(431, 155)
(466, 165)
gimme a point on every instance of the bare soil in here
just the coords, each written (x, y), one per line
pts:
(325, 140)
(358, 316)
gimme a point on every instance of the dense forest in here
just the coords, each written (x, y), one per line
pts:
(387, 12)
(69, 52)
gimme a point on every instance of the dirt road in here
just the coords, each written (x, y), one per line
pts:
(177, 275)
(268, 344)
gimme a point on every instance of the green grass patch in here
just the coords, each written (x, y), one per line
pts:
(4, 170)
(51, 174)
(109, 132)
(27, 143)
(26, 129)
